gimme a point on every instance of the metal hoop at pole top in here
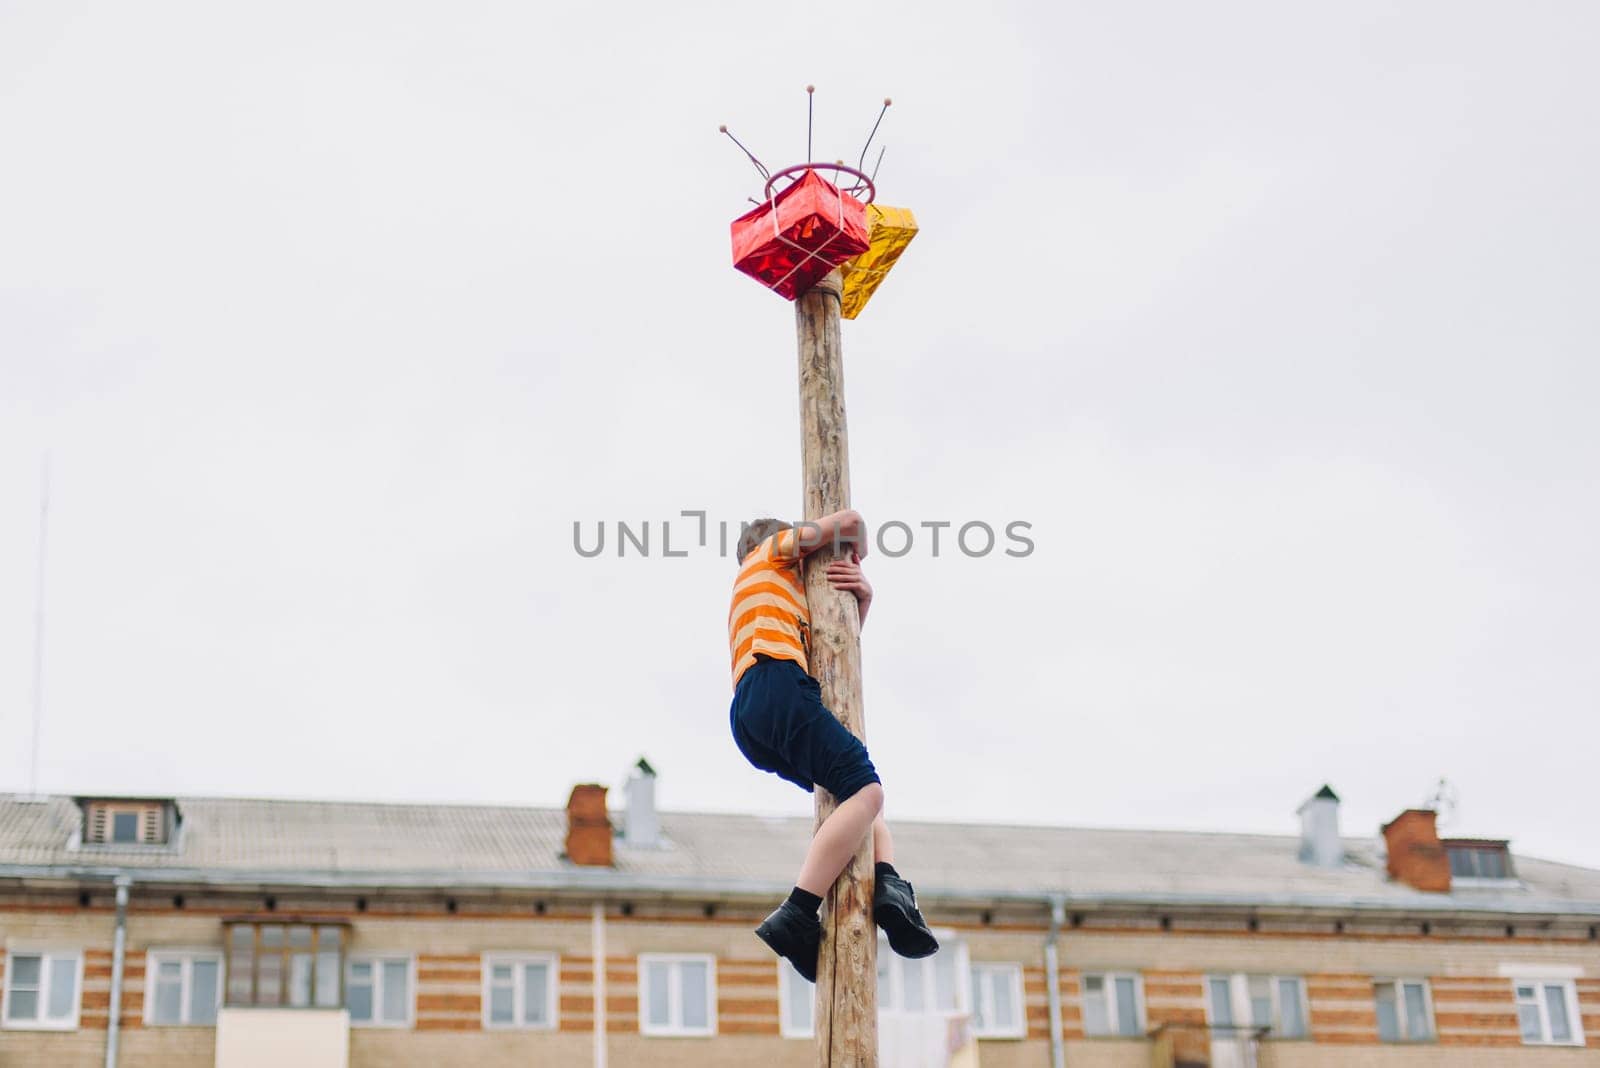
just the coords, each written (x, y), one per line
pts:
(862, 181)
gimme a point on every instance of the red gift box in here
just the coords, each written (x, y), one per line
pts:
(791, 242)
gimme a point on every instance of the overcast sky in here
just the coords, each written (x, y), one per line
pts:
(1278, 323)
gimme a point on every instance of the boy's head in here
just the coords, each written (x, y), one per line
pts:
(757, 531)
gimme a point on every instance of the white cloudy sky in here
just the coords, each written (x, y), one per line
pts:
(1277, 322)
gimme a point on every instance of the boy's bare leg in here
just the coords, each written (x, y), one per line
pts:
(837, 840)
(882, 843)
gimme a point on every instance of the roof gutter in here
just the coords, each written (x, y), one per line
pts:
(607, 882)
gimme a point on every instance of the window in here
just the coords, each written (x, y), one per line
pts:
(377, 991)
(926, 1006)
(41, 990)
(930, 985)
(1272, 1003)
(1403, 1011)
(677, 994)
(293, 965)
(182, 987)
(905, 988)
(519, 991)
(1478, 860)
(1112, 1004)
(126, 822)
(797, 1002)
(1547, 1012)
(997, 1001)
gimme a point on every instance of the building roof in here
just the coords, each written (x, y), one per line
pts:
(430, 846)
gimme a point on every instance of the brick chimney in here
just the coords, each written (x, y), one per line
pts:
(588, 827)
(1416, 857)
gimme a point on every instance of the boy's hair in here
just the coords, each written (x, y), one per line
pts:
(757, 531)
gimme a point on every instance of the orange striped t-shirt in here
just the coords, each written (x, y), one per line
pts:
(769, 613)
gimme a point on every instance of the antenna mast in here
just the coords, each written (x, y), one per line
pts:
(38, 624)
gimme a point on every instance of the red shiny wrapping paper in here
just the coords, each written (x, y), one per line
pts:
(790, 243)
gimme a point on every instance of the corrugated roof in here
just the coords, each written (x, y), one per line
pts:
(316, 842)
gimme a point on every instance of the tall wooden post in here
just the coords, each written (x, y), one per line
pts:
(847, 974)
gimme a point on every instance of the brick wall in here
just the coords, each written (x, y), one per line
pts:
(1315, 1055)
(1343, 1010)
(575, 998)
(747, 997)
(1475, 1010)
(1176, 1001)
(449, 992)
(1036, 999)
(1589, 1006)
(622, 994)
(1474, 1007)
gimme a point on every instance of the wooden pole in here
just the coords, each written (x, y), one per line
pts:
(847, 973)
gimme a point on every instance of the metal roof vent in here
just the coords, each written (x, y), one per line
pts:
(641, 825)
(1319, 830)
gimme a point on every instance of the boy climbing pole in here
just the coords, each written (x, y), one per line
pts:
(780, 725)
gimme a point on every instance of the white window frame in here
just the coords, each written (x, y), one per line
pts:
(961, 967)
(1399, 982)
(517, 961)
(1574, 1020)
(983, 995)
(1112, 1016)
(674, 1027)
(46, 955)
(960, 962)
(787, 978)
(1239, 999)
(377, 961)
(154, 958)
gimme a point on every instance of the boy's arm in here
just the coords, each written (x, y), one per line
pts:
(846, 528)
(846, 575)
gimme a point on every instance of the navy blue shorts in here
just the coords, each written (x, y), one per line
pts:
(780, 725)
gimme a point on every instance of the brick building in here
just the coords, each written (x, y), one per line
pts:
(238, 933)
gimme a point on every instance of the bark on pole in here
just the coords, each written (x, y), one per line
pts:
(847, 974)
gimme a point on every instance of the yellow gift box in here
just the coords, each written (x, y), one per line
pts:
(891, 231)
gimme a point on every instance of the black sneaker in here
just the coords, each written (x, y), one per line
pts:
(794, 936)
(894, 907)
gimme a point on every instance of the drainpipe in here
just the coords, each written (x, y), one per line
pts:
(597, 938)
(1052, 978)
(119, 947)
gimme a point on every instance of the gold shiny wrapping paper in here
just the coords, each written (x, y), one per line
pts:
(891, 231)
